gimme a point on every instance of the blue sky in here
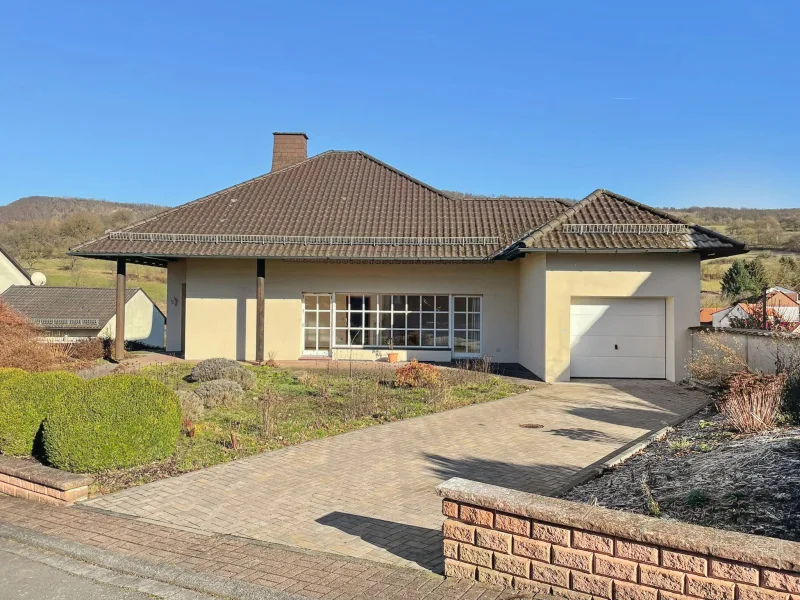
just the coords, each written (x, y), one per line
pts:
(167, 101)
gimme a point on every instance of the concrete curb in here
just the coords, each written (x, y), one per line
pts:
(199, 582)
(597, 468)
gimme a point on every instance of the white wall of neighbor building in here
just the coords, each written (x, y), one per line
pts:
(10, 275)
(176, 277)
(144, 323)
(221, 305)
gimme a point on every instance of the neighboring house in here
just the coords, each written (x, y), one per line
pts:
(780, 307)
(707, 315)
(792, 294)
(11, 272)
(69, 313)
(354, 257)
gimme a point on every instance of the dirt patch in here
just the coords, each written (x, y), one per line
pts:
(703, 473)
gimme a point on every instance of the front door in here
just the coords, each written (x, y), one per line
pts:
(317, 324)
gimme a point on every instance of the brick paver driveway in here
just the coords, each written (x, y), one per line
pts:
(370, 493)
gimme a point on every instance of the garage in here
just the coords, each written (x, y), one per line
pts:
(618, 337)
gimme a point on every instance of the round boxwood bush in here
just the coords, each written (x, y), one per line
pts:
(220, 392)
(119, 421)
(26, 399)
(213, 368)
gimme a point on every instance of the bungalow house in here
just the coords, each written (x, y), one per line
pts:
(780, 308)
(11, 272)
(341, 255)
(69, 314)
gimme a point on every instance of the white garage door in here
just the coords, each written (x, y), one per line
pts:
(617, 337)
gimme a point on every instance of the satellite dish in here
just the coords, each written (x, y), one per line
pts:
(38, 278)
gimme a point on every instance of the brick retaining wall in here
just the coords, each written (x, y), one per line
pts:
(546, 545)
(26, 478)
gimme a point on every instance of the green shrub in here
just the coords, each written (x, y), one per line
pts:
(119, 421)
(219, 392)
(213, 368)
(26, 399)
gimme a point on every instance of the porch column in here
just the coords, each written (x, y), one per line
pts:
(261, 271)
(119, 339)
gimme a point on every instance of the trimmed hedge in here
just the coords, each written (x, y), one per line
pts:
(26, 399)
(119, 421)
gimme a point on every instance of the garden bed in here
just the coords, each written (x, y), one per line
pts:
(304, 405)
(704, 473)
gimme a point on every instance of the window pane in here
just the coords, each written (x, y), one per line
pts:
(341, 301)
(474, 336)
(459, 321)
(412, 338)
(356, 319)
(386, 320)
(399, 338)
(384, 337)
(370, 337)
(474, 345)
(324, 319)
(427, 337)
(442, 320)
(413, 303)
(341, 319)
(474, 321)
(311, 319)
(443, 303)
(311, 302)
(324, 339)
(386, 302)
(428, 320)
(413, 320)
(356, 302)
(370, 319)
(324, 302)
(371, 302)
(442, 338)
(474, 304)
(399, 303)
(428, 302)
(356, 337)
(398, 320)
(460, 304)
(310, 339)
(341, 337)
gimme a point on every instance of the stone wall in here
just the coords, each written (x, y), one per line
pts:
(551, 546)
(26, 478)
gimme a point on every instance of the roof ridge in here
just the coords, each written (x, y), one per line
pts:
(401, 173)
(69, 287)
(558, 219)
(202, 199)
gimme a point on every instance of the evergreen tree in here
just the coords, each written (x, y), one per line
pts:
(758, 275)
(737, 283)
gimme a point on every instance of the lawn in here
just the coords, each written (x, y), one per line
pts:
(302, 405)
(101, 273)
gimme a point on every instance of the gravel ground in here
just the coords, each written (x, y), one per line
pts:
(705, 474)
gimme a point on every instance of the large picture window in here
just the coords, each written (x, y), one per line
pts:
(401, 320)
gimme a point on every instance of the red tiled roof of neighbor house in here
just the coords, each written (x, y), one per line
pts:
(706, 314)
(347, 205)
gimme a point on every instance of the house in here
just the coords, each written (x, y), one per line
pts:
(792, 294)
(707, 315)
(68, 314)
(780, 307)
(341, 255)
(11, 272)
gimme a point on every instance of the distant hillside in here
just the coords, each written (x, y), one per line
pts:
(34, 208)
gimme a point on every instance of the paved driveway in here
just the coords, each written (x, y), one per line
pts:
(370, 493)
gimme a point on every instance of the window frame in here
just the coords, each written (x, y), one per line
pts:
(467, 329)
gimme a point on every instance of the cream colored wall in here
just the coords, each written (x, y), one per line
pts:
(143, 322)
(675, 277)
(10, 275)
(221, 311)
(176, 277)
(532, 317)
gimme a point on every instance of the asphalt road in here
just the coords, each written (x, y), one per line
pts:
(24, 578)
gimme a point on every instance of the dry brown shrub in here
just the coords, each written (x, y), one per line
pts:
(715, 361)
(20, 346)
(752, 402)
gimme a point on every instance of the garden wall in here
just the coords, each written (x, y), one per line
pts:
(759, 349)
(28, 479)
(546, 545)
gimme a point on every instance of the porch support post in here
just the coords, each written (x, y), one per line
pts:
(119, 338)
(261, 271)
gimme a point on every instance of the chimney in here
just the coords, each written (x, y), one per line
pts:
(288, 148)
